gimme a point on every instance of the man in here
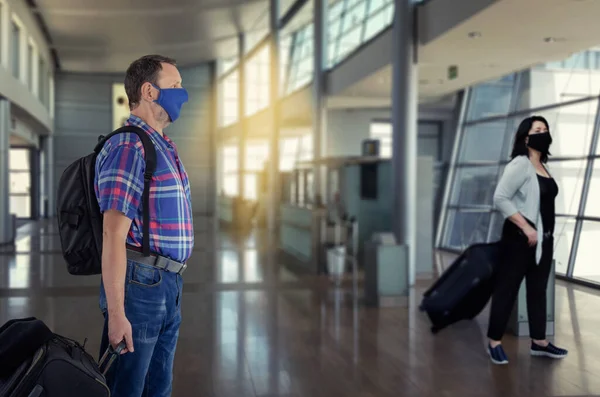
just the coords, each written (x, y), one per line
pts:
(141, 302)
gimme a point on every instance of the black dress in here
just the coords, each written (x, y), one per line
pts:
(548, 192)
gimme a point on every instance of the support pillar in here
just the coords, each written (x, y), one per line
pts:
(319, 111)
(273, 171)
(241, 115)
(5, 217)
(49, 192)
(404, 122)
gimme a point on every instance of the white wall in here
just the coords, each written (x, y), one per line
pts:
(347, 128)
(18, 90)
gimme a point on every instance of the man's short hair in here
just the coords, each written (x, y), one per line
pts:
(142, 70)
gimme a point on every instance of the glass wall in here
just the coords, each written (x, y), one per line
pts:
(20, 182)
(566, 94)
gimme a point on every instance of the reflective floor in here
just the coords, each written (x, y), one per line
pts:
(251, 327)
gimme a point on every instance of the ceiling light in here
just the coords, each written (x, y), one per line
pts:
(474, 35)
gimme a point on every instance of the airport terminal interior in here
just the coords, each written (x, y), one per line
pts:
(341, 156)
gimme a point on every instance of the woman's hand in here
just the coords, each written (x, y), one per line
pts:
(531, 235)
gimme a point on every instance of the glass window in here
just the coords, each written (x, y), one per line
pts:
(564, 230)
(257, 154)
(15, 52)
(289, 153)
(484, 141)
(250, 186)
(592, 205)
(569, 177)
(492, 98)
(20, 182)
(475, 185)
(230, 185)
(20, 206)
(586, 262)
(349, 41)
(354, 16)
(301, 64)
(465, 228)
(19, 160)
(571, 128)
(375, 24)
(258, 81)
(549, 87)
(229, 99)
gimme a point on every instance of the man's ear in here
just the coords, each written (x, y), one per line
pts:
(148, 92)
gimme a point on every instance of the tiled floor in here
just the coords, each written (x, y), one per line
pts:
(253, 328)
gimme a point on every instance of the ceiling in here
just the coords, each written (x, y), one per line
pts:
(511, 35)
(105, 36)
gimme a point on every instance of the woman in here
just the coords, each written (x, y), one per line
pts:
(525, 196)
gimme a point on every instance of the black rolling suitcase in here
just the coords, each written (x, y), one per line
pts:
(464, 289)
(58, 367)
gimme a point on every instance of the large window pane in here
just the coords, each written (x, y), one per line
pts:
(492, 98)
(483, 142)
(20, 206)
(586, 263)
(571, 128)
(569, 176)
(19, 160)
(20, 182)
(474, 185)
(257, 154)
(592, 206)
(251, 187)
(230, 185)
(551, 86)
(228, 99)
(564, 229)
(257, 81)
(465, 228)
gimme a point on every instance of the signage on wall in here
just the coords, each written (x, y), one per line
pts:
(452, 72)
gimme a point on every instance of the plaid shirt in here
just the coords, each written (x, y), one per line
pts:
(119, 185)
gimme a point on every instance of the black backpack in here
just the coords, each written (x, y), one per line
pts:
(79, 218)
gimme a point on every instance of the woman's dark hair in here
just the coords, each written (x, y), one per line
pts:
(519, 145)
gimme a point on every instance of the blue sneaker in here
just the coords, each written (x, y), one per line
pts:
(548, 351)
(497, 355)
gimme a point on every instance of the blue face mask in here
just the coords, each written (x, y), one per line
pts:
(171, 99)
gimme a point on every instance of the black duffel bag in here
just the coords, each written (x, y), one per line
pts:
(35, 362)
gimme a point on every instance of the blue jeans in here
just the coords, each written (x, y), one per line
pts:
(153, 307)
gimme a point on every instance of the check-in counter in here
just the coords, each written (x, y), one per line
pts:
(299, 234)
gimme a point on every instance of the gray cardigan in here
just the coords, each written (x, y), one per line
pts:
(519, 191)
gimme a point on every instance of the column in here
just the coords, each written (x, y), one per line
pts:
(5, 218)
(319, 112)
(241, 116)
(274, 180)
(49, 180)
(404, 121)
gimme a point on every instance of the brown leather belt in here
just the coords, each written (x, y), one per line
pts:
(157, 261)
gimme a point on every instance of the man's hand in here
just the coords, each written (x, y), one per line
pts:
(114, 269)
(119, 329)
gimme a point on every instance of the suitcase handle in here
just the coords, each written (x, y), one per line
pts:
(110, 355)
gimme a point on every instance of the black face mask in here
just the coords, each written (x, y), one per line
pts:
(540, 142)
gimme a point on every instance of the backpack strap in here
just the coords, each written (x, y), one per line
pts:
(150, 157)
